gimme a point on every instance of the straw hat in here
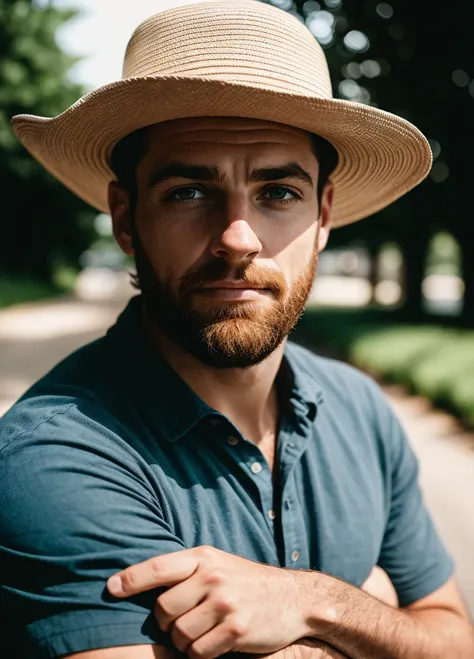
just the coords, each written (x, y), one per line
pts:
(230, 59)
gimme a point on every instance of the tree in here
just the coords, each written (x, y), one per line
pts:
(43, 224)
(406, 66)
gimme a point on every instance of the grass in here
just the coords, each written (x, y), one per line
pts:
(18, 290)
(430, 360)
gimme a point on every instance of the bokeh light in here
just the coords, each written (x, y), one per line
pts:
(352, 70)
(388, 292)
(354, 92)
(384, 10)
(461, 78)
(439, 172)
(356, 41)
(370, 68)
(283, 4)
(311, 6)
(321, 25)
(435, 148)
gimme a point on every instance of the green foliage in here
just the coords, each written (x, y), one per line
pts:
(395, 351)
(451, 359)
(430, 360)
(462, 397)
(22, 289)
(444, 254)
(42, 222)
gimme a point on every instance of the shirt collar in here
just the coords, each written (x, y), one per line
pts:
(303, 393)
(163, 396)
(174, 407)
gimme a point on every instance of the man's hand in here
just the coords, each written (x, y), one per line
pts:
(378, 585)
(217, 602)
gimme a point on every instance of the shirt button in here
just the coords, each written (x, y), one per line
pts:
(271, 514)
(233, 441)
(294, 556)
(256, 467)
(288, 503)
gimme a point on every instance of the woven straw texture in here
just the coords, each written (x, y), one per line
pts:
(230, 59)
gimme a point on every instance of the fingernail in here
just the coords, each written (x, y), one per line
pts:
(114, 584)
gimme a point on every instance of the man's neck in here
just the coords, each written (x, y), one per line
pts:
(247, 397)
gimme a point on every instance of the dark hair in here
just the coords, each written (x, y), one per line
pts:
(125, 158)
(127, 154)
(327, 157)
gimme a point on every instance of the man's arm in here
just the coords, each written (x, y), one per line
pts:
(435, 627)
(378, 584)
(218, 603)
(305, 649)
(126, 652)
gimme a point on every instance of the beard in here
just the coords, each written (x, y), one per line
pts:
(224, 335)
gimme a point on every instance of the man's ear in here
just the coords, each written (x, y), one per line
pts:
(120, 211)
(325, 215)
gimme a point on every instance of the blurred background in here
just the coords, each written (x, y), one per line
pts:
(394, 293)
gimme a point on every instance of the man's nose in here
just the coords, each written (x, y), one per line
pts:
(236, 241)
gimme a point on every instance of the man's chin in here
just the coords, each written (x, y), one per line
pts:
(214, 310)
(221, 359)
(227, 335)
(238, 342)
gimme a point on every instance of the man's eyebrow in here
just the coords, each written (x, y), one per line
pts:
(211, 173)
(180, 170)
(291, 170)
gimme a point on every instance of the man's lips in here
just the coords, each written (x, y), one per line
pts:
(236, 285)
(232, 291)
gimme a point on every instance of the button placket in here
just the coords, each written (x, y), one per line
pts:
(262, 477)
(252, 459)
(293, 538)
(256, 467)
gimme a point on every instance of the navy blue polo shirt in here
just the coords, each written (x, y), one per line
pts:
(111, 459)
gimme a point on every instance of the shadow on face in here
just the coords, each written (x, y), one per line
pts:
(231, 201)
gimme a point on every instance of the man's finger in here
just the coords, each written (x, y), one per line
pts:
(178, 600)
(165, 570)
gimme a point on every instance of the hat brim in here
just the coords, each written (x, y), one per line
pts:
(381, 156)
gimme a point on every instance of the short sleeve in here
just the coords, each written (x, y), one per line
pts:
(76, 505)
(412, 553)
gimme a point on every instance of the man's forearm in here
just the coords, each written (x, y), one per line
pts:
(305, 648)
(364, 628)
(311, 648)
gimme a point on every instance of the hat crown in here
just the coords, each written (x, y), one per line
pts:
(243, 41)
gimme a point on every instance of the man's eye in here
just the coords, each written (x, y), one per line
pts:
(279, 193)
(186, 194)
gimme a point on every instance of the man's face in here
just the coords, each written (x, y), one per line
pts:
(226, 234)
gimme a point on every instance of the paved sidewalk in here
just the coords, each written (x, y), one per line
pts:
(34, 337)
(446, 455)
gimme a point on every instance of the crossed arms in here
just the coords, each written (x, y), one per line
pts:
(217, 603)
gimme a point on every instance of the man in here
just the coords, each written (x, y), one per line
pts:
(158, 484)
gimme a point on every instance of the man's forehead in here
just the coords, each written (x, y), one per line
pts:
(227, 130)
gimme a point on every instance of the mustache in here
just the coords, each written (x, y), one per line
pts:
(218, 270)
